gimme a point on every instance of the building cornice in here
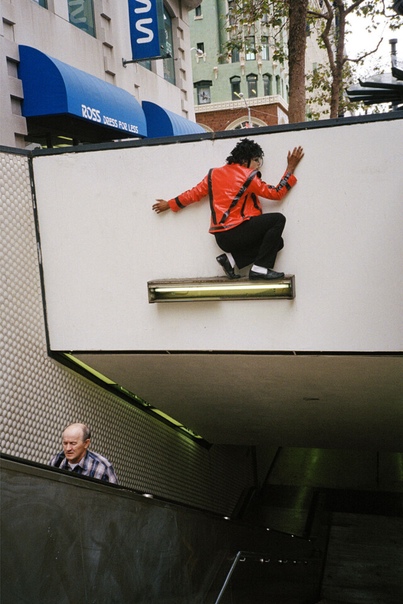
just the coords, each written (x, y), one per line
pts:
(252, 102)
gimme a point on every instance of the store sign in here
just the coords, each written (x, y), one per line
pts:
(97, 115)
(147, 33)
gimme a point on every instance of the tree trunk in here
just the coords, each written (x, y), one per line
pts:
(296, 59)
(337, 59)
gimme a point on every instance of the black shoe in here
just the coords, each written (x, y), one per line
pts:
(269, 276)
(226, 264)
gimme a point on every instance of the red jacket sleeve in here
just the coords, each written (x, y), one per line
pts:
(191, 196)
(262, 189)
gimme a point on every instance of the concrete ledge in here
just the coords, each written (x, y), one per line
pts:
(216, 288)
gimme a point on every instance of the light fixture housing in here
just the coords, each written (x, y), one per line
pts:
(216, 289)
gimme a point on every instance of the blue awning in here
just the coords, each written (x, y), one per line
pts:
(53, 88)
(161, 122)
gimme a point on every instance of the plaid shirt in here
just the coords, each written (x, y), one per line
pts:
(92, 465)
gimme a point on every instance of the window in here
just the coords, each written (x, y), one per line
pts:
(235, 87)
(169, 64)
(243, 122)
(81, 14)
(231, 13)
(242, 125)
(146, 64)
(203, 89)
(198, 12)
(267, 84)
(43, 3)
(264, 41)
(203, 96)
(250, 53)
(278, 85)
(251, 81)
(235, 55)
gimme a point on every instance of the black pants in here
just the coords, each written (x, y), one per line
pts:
(255, 241)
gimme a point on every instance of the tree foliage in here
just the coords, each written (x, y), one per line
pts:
(332, 23)
(243, 15)
(319, 89)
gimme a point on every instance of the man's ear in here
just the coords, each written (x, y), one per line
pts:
(87, 443)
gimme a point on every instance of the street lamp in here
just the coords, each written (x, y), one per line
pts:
(241, 96)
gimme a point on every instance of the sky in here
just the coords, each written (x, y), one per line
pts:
(361, 40)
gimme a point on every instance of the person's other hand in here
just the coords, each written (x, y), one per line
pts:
(160, 206)
(293, 158)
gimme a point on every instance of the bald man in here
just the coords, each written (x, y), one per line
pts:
(76, 456)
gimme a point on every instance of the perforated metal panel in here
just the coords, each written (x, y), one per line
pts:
(39, 397)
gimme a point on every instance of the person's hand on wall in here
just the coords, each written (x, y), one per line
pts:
(160, 206)
(293, 158)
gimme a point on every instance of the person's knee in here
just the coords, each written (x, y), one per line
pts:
(281, 219)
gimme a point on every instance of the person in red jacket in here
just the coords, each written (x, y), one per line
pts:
(242, 231)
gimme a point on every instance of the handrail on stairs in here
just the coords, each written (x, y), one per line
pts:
(240, 557)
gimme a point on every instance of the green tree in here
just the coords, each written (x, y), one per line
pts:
(319, 89)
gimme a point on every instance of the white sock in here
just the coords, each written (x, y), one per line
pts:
(230, 258)
(259, 269)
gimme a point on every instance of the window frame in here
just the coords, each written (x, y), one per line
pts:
(235, 82)
(251, 82)
(201, 86)
(169, 62)
(267, 84)
(250, 55)
(86, 23)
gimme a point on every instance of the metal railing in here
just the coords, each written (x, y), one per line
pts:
(242, 556)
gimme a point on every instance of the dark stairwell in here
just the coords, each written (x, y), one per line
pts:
(349, 505)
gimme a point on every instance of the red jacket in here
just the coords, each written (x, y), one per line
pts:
(233, 191)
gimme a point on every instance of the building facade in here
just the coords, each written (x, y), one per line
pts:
(243, 89)
(56, 53)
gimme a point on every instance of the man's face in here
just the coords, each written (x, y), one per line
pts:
(74, 446)
(256, 163)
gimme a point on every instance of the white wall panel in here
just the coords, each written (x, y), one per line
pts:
(101, 243)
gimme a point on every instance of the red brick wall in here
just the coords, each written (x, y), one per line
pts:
(220, 120)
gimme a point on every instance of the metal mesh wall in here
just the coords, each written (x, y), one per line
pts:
(39, 397)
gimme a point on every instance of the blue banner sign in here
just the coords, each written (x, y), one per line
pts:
(147, 32)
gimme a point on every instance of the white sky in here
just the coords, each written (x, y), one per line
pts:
(360, 40)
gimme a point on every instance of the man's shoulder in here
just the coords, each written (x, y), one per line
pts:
(232, 171)
(97, 457)
(57, 459)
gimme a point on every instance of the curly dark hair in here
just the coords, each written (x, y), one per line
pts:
(244, 151)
